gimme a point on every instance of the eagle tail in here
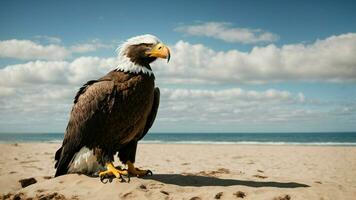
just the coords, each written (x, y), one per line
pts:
(63, 160)
(58, 156)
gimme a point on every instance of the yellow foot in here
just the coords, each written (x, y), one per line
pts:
(136, 171)
(112, 171)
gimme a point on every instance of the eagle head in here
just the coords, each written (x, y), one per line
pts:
(136, 53)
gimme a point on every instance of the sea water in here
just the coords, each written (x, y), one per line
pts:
(328, 138)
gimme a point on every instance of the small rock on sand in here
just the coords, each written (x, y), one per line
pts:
(27, 181)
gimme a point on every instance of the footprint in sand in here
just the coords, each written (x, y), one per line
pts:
(129, 195)
(54, 195)
(214, 173)
(218, 195)
(155, 186)
(40, 190)
(164, 192)
(19, 196)
(240, 194)
(285, 197)
(143, 188)
(260, 176)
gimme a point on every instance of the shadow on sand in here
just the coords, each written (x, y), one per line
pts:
(199, 181)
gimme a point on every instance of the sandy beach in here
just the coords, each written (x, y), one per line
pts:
(183, 171)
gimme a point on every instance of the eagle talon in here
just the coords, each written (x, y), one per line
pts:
(149, 173)
(123, 179)
(104, 179)
(128, 178)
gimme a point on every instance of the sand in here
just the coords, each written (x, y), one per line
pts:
(183, 171)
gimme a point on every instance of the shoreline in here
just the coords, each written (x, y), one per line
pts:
(243, 143)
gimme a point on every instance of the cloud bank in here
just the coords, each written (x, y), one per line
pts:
(40, 91)
(329, 60)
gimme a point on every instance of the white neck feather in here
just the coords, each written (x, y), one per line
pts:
(126, 65)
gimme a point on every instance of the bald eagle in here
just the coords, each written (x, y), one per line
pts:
(111, 114)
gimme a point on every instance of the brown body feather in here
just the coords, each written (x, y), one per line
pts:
(110, 115)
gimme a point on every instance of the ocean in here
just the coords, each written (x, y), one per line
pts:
(316, 139)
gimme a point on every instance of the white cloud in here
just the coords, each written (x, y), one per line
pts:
(26, 50)
(78, 71)
(224, 31)
(330, 60)
(29, 50)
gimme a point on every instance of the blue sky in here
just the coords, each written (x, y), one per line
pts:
(278, 66)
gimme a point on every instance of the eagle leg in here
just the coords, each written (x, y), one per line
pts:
(136, 171)
(112, 171)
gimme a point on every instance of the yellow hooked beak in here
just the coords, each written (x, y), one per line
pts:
(159, 51)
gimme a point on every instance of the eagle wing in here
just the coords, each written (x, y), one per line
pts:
(91, 106)
(128, 152)
(152, 116)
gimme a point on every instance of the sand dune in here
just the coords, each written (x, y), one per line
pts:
(191, 172)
